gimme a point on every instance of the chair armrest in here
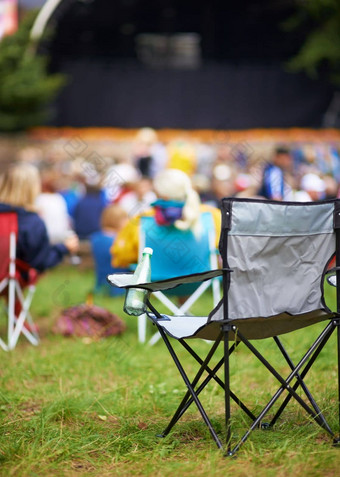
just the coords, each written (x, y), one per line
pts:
(125, 280)
(120, 280)
(332, 270)
(26, 274)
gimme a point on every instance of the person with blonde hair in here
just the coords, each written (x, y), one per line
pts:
(178, 205)
(20, 185)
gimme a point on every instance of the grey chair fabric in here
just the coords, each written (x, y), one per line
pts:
(275, 257)
(279, 253)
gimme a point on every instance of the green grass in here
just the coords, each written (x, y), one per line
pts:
(80, 407)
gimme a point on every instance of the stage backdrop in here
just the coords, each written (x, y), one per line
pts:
(221, 96)
(181, 64)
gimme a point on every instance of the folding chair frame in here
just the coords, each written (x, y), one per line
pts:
(299, 372)
(228, 330)
(232, 336)
(16, 324)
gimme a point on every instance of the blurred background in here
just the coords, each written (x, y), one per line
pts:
(192, 64)
(233, 78)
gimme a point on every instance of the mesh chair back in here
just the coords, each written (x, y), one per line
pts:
(278, 252)
(8, 225)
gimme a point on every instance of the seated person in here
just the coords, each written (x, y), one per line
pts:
(139, 198)
(52, 208)
(113, 218)
(20, 185)
(178, 229)
(88, 209)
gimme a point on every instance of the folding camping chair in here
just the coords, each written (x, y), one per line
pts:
(179, 252)
(275, 258)
(14, 276)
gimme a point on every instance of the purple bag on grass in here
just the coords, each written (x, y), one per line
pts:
(88, 320)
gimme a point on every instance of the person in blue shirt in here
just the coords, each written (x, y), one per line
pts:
(87, 211)
(274, 181)
(112, 219)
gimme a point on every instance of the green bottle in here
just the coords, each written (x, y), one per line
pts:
(135, 298)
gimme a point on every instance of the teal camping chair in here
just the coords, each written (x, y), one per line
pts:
(178, 252)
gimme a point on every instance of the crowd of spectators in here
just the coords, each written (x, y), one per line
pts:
(77, 193)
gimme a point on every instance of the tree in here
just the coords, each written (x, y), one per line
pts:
(321, 48)
(26, 87)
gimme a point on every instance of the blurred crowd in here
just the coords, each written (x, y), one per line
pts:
(89, 182)
(94, 195)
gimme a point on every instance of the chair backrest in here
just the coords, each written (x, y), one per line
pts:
(178, 252)
(279, 252)
(8, 229)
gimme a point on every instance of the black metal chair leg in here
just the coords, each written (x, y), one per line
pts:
(186, 401)
(300, 381)
(285, 383)
(226, 329)
(212, 375)
(298, 376)
(191, 390)
(336, 322)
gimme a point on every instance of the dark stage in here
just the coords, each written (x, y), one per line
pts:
(181, 64)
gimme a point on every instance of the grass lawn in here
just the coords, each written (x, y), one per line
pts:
(73, 406)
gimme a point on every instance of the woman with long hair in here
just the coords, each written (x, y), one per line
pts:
(19, 187)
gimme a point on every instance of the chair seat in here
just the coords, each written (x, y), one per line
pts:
(267, 327)
(188, 326)
(180, 327)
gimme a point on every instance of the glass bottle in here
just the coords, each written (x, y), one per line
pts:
(135, 299)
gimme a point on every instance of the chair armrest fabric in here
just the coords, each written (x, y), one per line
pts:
(125, 280)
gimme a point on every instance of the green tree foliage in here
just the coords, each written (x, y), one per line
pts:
(26, 87)
(321, 48)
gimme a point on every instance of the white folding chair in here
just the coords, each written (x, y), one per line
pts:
(17, 301)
